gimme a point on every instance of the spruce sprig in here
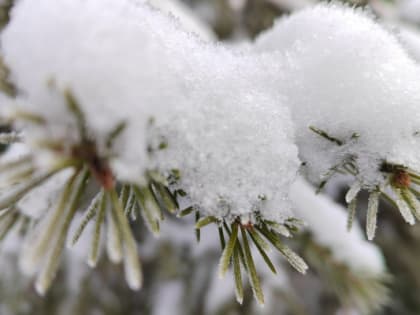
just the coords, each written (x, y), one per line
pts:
(236, 239)
(401, 188)
(85, 163)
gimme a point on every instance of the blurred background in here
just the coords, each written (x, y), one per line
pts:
(181, 274)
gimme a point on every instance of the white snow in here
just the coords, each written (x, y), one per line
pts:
(226, 131)
(237, 146)
(346, 75)
(223, 114)
(119, 68)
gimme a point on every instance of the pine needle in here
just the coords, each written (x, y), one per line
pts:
(412, 202)
(149, 208)
(115, 133)
(258, 240)
(252, 272)
(131, 200)
(88, 216)
(197, 230)
(295, 260)
(262, 250)
(75, 109)
(228, 251)
(41, 244)
(403, 207)
(352, 207)
(239, 290)
(124, 196)
(372, 213)
(168, 200)
(96, 237)
(185, 212)
(353, 191)
(205, 221)
(325, 135)
(133, 273)
(222, 238)
(113, 238)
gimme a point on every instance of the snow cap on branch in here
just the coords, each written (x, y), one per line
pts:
(234, 142)
(352, 83)
(219, 123)
(117, 60)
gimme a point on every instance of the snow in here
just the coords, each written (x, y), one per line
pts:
(119, 68)
(346, 75)
(223, 114)
(327, 220)
(237, 147)
(232, 140)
